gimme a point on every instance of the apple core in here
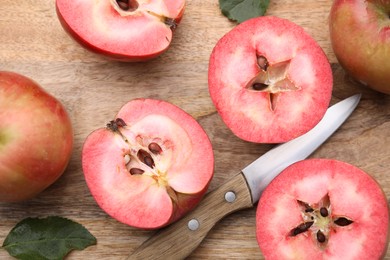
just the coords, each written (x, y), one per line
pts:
(150, 165)
(320, 220)
(144, 156)
(269, 80)
(323, 209)
(272, 79)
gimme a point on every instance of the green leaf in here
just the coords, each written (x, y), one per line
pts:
(241, 10)
(47, 238)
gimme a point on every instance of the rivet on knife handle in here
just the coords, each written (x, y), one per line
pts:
(178, 240)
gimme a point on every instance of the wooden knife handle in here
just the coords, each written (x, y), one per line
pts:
(177, 241)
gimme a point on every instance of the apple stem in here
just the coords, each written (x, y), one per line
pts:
(114, 126)
(171, 23)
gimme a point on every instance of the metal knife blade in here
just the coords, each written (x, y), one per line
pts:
(262, 171)
(178, 240)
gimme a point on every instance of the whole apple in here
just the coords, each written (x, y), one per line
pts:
(360, 36)
(36, 138)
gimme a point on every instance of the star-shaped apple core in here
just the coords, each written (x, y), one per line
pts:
(272, 78)
(319, 221)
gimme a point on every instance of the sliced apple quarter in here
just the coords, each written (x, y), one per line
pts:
(128, 30)
(269, 80)
(150, 165)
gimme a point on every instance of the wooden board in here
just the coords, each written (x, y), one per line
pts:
(92, 88)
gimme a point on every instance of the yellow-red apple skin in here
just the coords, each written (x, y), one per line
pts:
(36, 138)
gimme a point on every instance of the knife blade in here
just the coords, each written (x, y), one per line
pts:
(178, 240)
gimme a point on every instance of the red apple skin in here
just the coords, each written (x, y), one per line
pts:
(351, 193)
(360, 37)
(164, 192)
(111, 54)
(36, 138)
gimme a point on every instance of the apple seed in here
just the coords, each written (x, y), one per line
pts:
(259, 86)
(154, 148)
(123, 4)
(134, 171)
(127, 5)
(303, 227)
(324, 212)
(262, 62)
(321, 237)
(145, 157)
(149, 161)
(342, 221)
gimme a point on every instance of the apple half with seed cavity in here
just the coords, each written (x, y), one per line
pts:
(269, 80)
(150, 165)
(36, 138)
(323, 209)
(126, 30)
(360, 37)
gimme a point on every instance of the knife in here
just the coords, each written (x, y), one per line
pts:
(178, 240)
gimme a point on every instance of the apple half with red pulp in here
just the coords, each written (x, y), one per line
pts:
(269, 80)
(323, 209)
(150, 165)
(360, 36)
(36, 138)
(127, 30)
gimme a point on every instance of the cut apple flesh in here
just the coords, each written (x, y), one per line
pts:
(269, 80)
(121, 29)
(272, 79)
(322, 209)
(144, 169)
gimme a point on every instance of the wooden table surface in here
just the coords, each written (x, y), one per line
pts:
(33, 43)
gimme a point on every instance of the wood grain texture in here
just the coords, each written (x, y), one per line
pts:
(168, 242)
(33, 43)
